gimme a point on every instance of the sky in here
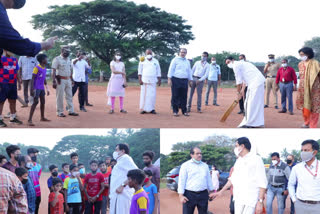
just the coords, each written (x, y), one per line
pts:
(264, 141)
(45, 137)
(255, 28)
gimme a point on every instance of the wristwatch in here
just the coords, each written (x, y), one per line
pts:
(123, 184)
(261, 200)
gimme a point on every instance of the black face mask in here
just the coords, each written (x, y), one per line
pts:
(19, 4)
(147, 163)
(34, 158)
(54, 174)
(289, 161)
(65, 55)
(94, 172)
(24, 181)
(17, 157)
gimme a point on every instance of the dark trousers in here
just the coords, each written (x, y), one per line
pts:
(179, 91)
(231, 206)
(86, 101)
(199, 200)
(38, 201)
(241, 102)
(286, 90)
(81, 86)
(96, 205)
(74, 208)
(26, 90)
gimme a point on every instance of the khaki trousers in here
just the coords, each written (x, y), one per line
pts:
(64, 89)
(271, 85)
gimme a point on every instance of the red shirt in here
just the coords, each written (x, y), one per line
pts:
(8, 70)
(94, 184)
(106, 181)
(286, 75)
(58, 209)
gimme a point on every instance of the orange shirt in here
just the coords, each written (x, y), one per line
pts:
(58, 209)
(106, 181)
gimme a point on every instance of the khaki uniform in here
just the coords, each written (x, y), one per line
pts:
(271, 75)
(64, 89)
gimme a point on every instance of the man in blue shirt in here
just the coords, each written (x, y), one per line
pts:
(179, 76)
(214, 79)
(11, 40)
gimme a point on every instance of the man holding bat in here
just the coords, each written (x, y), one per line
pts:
(246, 73)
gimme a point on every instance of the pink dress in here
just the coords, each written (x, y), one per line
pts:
(115, 88)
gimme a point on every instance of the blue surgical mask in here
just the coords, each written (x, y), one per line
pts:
(82, 171)
(196, 161)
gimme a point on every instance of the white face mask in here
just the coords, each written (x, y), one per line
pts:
(241, 60)
(230, 65)
(274, 162)
(118, 57)
(284, 65)
(306, 156)
(237, 151)
(214, 62)
(29, 165)
(74, 174)
(149, 56)
(271, 60)
(115, 155)
(304, 58)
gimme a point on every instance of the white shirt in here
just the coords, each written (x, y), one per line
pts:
(246, 72)
(214, 72)
(180, 68)
(249, 175)
(149, 70)
(79, 70)
(308, 188)
(215, 179)
(194, 177)
(27, 64)
(119, 175)
(201, 69)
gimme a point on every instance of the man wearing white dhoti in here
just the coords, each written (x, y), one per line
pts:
(247, 73)
(120, 192)
(149, 73)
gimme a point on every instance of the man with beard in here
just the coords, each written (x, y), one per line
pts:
(147, 159)
(14, 154)
(106, 172)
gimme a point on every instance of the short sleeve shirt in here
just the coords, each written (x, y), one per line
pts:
(94, 184)
(73, 190)
(58, 208)
(62, 65)
(106, 181)
(155, 173)
(27, 65)
(8, 70)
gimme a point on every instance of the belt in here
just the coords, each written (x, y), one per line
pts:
(286, 82)
(196, 77)
(309, 202)
(64, 78)
(197, 192)
(271, 76)
(277, 186)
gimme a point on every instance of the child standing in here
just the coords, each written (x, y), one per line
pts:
(37, 87)
(151, 190)
(56, 198)
(140, 200)
(117, 83)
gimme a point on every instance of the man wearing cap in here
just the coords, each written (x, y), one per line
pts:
(271, 69)
(62, 81)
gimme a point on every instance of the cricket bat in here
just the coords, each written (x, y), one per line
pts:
(229, 110)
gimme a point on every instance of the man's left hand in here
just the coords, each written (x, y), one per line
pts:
(119, 189)
(19, 86)
(48, 93)
(190, 83)
(259, 208)
(198, 82)
(295, 87)
(239, 96)
(159, 83)
(285, 192)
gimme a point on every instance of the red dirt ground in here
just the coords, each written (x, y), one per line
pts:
(170, 204)
(98, 117)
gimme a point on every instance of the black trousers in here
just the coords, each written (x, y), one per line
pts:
(231, 206)
(38, 201)
(241, 102)
(179, 91)
(86, 91)
(96, 205)
(81, 86)
(74, 208)
(199, 200)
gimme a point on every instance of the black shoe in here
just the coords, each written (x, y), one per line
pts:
(241, 112)
(83, 109)
(266, 106)
(276, 107)
(153, 112)
(88, 104)
(123, 111)
(73, 114)
(2, 124)
(291, 113)
(282, 111)
(16, 121)
(143, 112)
(215, 104)
(61, 115)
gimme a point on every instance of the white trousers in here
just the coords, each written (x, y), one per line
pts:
(120, 204)
(148, 95)
(243, 209)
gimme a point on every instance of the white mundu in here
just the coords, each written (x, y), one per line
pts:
(120, 203)
(149, 71)
(245, 72)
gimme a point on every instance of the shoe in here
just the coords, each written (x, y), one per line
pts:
(282, 111)
(199, 111)
(2, 124)
(123, 111)
(186, 114)
(153, 112)
(45, 120)
(83, 109)
(143, 112)
(291, 113)
(241, 112)
(111, 111)
(24, 106)
(276, 107)
(16, 121)
(175, 114)
(266, 106)
(30, 123)
(7, 115)
(88, 104)
(305, 126)
(73, 114)
(61, 115)
(215, 104)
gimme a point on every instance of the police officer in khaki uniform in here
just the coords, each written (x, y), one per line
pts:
(271, 69)
(62, 81)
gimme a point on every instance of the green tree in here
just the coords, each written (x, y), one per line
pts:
(103, 27)
(314, 43)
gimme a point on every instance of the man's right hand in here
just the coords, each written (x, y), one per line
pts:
(169, 82)
(49, 43)
(32, 92)
(214, 195)
(183, 199)
(140, 82)
(54, 85)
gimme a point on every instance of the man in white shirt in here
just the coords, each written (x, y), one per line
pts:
(194, 184)
(80, 66)
(200, 72)
(214, 78)
(248, 74)
(149, 74)
(306, 175)
(26, 65)
(249, 180)
(120, 193)
(179, 76)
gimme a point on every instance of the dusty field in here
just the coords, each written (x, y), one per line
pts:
(98, 117)
(170, 204)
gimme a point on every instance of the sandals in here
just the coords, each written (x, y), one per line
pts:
(45, 120)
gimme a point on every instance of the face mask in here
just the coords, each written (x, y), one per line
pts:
(65, 55)
(230, 65)
(149, 56)
(306, 156)
(271, 60)
(196, 161)
(304, 58)
(274, 162)
(147, 163)
(289, 161)
(214, 62)
(284, 65)
(204, 58)
(118, 57)
(17, 157)
(82, 171)
(34, 158)
(146, 180)
(74, 174)
(24, 181)
(115, 155)
(241, 60)
(19, 4)
(237, 151)
(29, 165)
(94, 172)
(54, 174)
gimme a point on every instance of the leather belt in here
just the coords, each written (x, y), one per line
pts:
(196, 77)
(271, 76)
(197, 192)
(64, 78)
(286, 82)
(309, 202)
(277, 186)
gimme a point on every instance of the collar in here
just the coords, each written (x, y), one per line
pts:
(314, 164)
(139, 191)
(182, 58)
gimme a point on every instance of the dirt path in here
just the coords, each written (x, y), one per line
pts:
(98, 117)
(169, 203)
